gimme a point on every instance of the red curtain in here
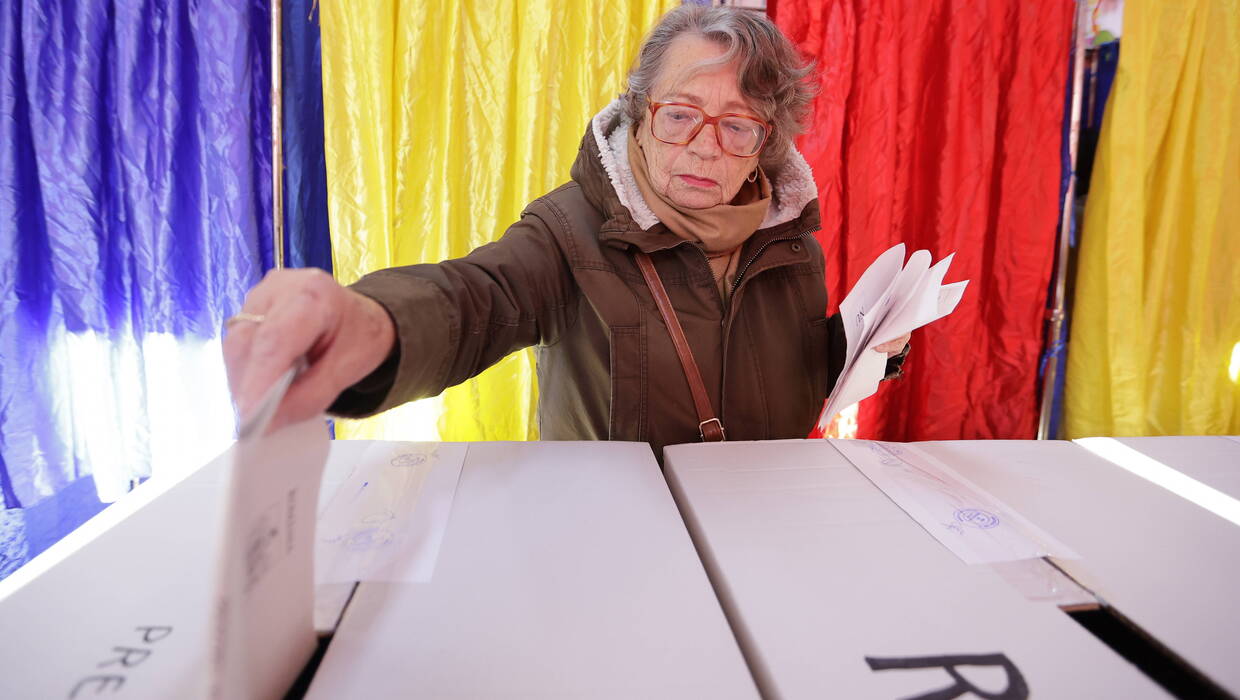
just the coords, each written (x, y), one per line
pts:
(939, 124)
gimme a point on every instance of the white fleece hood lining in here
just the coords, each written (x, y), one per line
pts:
(792, 189)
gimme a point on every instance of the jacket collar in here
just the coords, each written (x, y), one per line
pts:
(602, 171)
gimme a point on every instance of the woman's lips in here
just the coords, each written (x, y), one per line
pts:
(698, 181)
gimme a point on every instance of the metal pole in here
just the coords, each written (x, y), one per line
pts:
(1054, 338)
(277, 134)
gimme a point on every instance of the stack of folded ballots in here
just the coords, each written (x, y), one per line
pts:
(891, 298)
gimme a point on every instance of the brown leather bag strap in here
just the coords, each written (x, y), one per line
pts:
(709, 426)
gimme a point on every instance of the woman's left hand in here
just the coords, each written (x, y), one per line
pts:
(894, 347)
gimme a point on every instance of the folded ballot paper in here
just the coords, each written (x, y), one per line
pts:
(891, 298)
(262, 620)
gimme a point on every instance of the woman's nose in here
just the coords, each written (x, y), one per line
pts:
(706, 143)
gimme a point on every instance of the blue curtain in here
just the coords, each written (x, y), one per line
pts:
(135, 209)
(307, 240)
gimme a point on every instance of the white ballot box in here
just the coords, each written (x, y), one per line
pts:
(330, 599)
(386, 505)
(565, 571)
(121, 607)
(1213, 460)
(1168, 565)
(146, 599)
(834, 591)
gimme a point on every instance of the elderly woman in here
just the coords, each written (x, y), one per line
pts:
(673, 288)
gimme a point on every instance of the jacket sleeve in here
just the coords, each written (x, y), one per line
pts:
(456, 318)
(895, 363)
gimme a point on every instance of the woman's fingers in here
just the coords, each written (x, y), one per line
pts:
(342, 335)
(292, 329)
(237, 337)
(352, 350)
(297, 308)
(894, 347)
(239, 330)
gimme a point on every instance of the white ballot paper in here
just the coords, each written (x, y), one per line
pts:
(263, 614)
(891, 298)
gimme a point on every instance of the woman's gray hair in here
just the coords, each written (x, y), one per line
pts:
(773, 76)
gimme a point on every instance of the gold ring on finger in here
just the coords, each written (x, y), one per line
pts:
(243, 317)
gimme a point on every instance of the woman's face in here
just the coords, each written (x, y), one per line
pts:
(698, 174)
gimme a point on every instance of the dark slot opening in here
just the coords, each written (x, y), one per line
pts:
(302, 684)
(1158, 662)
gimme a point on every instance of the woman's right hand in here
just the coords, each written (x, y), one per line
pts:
(342, 335)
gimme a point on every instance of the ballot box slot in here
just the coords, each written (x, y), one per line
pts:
(302, 684)
(1152, 658)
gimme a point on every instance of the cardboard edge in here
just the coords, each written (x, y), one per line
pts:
(761, 675)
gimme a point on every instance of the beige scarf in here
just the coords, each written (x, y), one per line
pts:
(721, 230)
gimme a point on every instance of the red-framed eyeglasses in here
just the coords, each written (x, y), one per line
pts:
(678, 123)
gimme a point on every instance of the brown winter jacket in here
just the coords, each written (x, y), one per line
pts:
(564, 279)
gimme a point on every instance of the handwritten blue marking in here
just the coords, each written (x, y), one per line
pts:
(408, 460)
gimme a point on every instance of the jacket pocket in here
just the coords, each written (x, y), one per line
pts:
(628, 384)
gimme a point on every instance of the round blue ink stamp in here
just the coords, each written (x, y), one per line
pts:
(978, 518)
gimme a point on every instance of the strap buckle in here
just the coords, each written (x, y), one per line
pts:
(702, 429)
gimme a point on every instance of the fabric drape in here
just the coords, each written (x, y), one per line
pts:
(307, 242)
(938, 124)
(135, 207)
(1098, 74)
(442, 121)
(1155, 347)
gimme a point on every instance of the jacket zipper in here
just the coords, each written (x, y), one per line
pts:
(736, 282)
(727, 315)
(710, 273)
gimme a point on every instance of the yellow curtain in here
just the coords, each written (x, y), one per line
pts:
(442, 120)
(1155, 345)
